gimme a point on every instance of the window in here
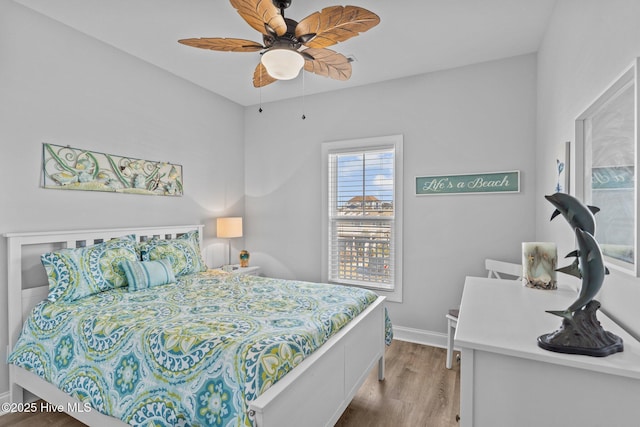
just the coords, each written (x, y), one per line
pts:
(362, 191)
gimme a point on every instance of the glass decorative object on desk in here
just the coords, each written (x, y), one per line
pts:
(244, 258)
(539, 261)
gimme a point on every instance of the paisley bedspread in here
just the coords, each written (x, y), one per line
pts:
(186, 354)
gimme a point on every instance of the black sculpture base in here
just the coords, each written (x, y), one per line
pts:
(582, 335)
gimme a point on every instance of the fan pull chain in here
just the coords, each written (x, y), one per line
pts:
(260, 109)
(303, 116)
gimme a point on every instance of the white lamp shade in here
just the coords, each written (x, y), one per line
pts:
(229, 227)
(282, 64)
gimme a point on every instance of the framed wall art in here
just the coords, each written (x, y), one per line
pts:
(67, 168)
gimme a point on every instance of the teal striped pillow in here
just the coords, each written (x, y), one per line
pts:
(147, 274)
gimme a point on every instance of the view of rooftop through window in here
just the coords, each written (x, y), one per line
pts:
(365, 183)
(362, 211)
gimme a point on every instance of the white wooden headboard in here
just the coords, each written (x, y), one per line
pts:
(26, 278)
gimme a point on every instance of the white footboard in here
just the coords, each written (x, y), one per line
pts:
(318, 390)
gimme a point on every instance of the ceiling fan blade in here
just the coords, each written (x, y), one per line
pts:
(335, 24)
(261, 77)
(259, 13)
(223, 44)
(328, 63)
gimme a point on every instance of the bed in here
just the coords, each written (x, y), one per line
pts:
(297, 377)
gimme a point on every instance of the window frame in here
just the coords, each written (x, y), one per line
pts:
(395, 143)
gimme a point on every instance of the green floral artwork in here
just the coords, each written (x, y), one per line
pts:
(69, 168)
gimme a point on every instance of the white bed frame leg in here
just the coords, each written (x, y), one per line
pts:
(384, 345)
(381, 368)
(16, 393)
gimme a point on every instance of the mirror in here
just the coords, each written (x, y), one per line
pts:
(606, 133)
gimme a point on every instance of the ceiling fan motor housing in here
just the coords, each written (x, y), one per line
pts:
(288, 39)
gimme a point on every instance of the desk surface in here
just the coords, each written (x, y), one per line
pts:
(502, 316)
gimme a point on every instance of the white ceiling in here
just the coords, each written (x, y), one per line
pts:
(413, 37)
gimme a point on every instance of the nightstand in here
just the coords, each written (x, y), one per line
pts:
(245, 271)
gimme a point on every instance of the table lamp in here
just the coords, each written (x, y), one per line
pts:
(229, 228)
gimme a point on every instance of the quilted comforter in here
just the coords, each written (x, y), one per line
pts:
(186, 354)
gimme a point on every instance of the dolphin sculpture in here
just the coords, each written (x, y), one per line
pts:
(592, 271)
(573, 268)
(577, 214)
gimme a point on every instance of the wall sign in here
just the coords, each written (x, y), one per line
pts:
(67, 168)
(612, 178)
(493, 182)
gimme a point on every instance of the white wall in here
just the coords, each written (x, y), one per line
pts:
(479, 118)
(60, 86)
(587, 46)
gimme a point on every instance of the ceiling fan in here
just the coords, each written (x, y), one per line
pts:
(283, 39)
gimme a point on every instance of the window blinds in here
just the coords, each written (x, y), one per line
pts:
(361, 217)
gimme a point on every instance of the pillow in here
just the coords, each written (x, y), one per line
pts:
(183, 253)
(78, 272)
(147, 274)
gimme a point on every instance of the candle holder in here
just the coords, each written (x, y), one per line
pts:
(539, 261)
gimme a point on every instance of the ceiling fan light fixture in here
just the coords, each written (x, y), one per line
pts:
(282, 64)
(288, 45)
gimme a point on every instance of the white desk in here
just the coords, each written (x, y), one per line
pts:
(507, 380)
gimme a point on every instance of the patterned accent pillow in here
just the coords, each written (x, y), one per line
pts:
(147, 274)
(183, 252)
(75, 273)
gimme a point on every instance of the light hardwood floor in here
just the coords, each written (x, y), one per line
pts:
(418, 392)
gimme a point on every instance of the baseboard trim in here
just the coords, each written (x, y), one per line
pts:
(420, 336)
(4, 398)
